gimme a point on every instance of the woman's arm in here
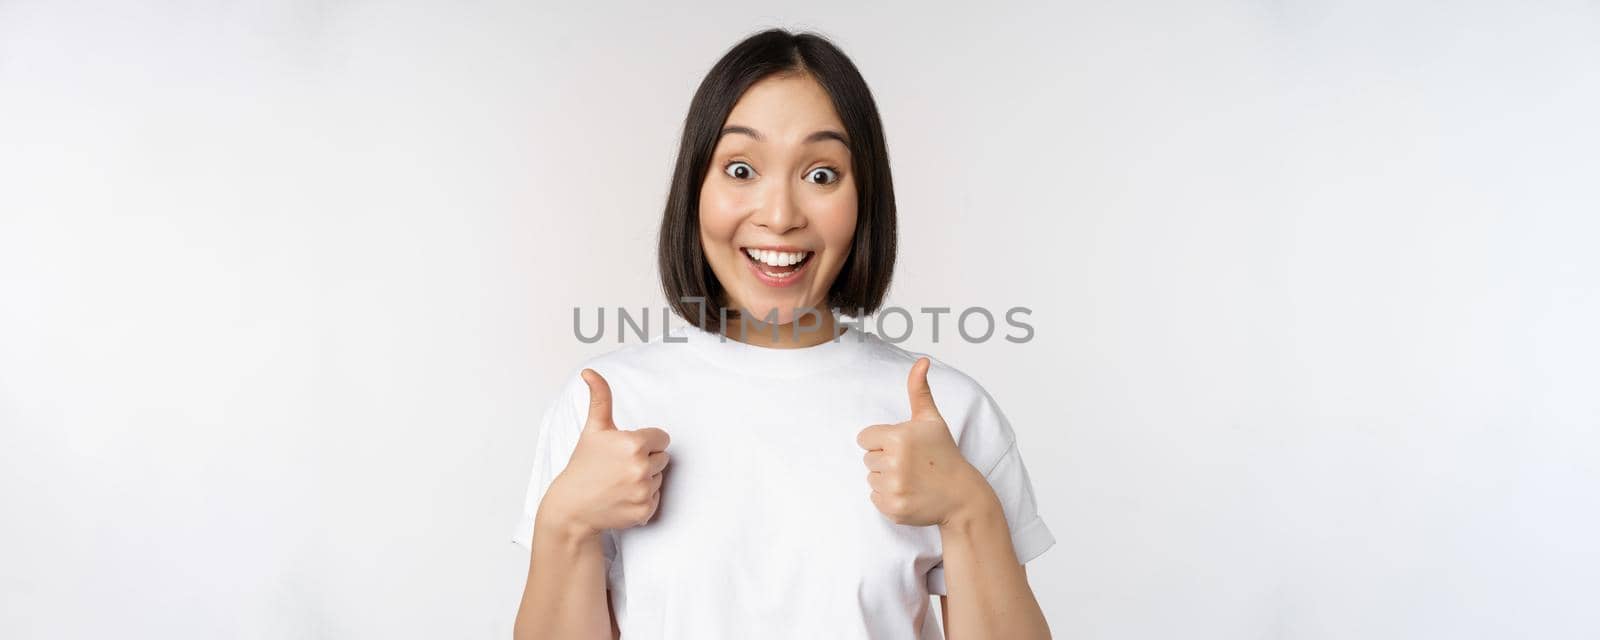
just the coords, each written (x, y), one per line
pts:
(920, 477)
(565, 596)
(612, 480)
(989, 595)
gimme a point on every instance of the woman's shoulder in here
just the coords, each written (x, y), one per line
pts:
(944, 377)
(658, 354)
(975, 419)
(626, 355)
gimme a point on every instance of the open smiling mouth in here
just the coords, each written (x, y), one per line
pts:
(777, 268)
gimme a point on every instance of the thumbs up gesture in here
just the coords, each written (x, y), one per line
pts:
(917, 473)
(613, 479)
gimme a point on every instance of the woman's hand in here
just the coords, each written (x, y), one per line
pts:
(917, 473)
(613, 479)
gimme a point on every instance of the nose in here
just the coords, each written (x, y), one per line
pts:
(780, 212)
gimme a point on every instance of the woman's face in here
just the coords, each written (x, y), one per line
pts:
(778, 206)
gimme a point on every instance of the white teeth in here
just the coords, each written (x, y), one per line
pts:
(777, 258)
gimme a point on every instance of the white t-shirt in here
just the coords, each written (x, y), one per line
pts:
(765, 528)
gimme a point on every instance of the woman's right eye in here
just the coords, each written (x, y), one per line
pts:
(739, 170)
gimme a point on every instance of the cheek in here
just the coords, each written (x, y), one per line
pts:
(836, 222)
(844, 230)
(719, 216)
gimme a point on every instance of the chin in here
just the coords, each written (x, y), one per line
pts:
(758, 313)
(786, 311)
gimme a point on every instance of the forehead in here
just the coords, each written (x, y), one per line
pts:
(786, 106)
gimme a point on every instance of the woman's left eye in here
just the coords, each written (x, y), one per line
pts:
(823, 175)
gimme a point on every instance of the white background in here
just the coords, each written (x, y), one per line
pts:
(285, 287)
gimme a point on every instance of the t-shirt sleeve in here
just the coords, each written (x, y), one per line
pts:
(988, 442)
(553, 446)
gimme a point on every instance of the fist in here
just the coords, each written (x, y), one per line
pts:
(613, 479)
(917, 473)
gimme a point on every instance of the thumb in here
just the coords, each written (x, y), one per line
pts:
(599, 402)
(917, 388)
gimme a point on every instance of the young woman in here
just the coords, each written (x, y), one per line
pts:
(822, 482)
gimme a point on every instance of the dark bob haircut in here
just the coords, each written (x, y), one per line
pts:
(863, 281)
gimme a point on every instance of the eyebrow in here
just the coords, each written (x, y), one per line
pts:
(825, 134)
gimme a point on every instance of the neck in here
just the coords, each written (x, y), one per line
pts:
(806, 330)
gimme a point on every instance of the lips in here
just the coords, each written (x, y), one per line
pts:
(776, 268)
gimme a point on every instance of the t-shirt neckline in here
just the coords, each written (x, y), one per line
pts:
(774, 361)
